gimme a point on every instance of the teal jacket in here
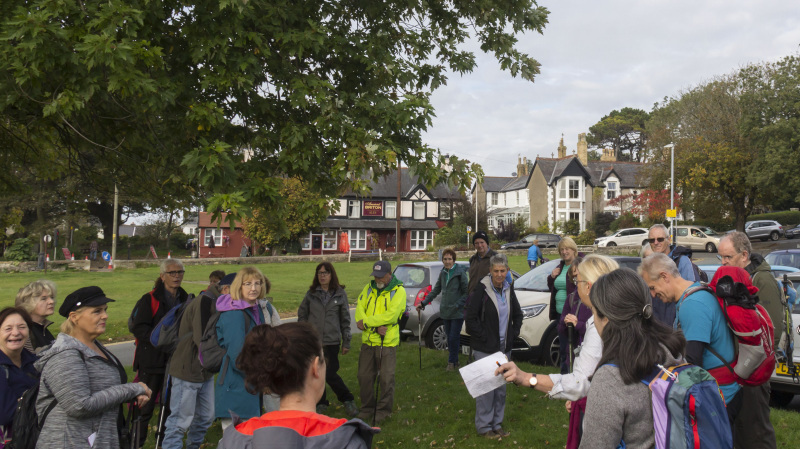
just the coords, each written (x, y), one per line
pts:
(452, 285)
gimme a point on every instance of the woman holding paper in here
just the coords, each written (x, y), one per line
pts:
(575, 385)
(493, 321)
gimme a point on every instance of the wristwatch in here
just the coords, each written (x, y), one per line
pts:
(533, 380)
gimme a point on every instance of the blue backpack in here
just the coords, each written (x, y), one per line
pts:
(165, 335)
(688, 409)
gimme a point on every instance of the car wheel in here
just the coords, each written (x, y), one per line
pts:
(780, 398)
(611, 244)
(551, 349)
(436, 337)
(711, 248)
(774, 236)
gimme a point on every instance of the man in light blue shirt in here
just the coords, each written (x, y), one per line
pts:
(534, 254)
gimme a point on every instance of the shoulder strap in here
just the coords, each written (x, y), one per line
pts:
(47, 411)
(154, 303)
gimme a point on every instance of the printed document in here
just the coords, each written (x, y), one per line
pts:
(479, 375)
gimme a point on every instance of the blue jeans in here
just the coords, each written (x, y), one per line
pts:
(453, 330)
(192, 410)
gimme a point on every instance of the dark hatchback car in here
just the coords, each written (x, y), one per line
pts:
(793, 232)
(545, 241)
(785, 257)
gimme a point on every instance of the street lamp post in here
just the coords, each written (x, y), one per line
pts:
(671, 189)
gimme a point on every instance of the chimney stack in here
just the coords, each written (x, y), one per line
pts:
(583, 149)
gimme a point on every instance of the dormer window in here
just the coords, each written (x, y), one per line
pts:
(611, 190)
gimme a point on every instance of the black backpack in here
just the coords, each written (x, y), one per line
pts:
(699, 275)
(26, 425)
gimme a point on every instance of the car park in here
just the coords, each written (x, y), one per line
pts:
(787, 257)
(777, 270)
(624, 237)
(418, 280)
(792, 232)
(545, 241)
(696, 239)
(538, 338)
(763, 229)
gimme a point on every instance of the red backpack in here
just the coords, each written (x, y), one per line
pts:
(750, 323)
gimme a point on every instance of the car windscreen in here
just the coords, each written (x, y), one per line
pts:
(412, 276)
(785, 259)
(536, 279)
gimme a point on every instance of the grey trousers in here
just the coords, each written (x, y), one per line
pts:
(368, 361)
(752, 428)
(490, 408)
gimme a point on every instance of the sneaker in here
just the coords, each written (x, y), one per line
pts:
(350, 408)
(490, 435)
(450, 367)
(501, 433)
(322, 408)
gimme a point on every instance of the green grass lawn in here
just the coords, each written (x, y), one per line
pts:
(433, 409)
(290, 282)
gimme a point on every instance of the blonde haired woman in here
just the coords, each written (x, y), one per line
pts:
(38, 299)
(240, 312)
(575, 385)
(561, 286)
(83, 384)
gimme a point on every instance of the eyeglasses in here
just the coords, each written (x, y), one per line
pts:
(176, 273)
(323, 273)
(252, 284)
(659, 240)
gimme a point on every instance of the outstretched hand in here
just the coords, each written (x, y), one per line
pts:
(512, 374)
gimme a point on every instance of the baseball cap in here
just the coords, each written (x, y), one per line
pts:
(381, 268)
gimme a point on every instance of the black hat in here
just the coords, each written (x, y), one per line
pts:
(381, 268)
(82, 297)
(227, 280)
(480, 235)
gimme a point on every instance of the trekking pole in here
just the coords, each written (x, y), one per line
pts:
(136, 436)
(378, 383)
(571, 342)
(162, 415)
(419, 326)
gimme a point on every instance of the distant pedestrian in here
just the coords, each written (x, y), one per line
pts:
(534, 255)
(452, 284)
(38, 299)
(325, 306)
(93, 250)
(493, 321)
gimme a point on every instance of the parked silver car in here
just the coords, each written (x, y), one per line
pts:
(418, 280)
(763, 229)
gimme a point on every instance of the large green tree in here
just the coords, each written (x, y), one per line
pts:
(183, 99)
(622, 130)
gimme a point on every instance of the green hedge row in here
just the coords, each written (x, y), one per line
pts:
(787, 217)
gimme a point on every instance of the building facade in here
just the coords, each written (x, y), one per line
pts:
(505, 198)
(220, 241)
(369, 222)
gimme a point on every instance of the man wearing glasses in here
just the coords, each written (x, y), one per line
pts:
(659, 241)
(148, 311)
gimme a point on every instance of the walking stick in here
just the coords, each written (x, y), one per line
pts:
(378, 383)
(571, 342)
(419, 326)
(162, 416)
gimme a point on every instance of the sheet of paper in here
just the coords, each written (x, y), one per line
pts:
(479, 375)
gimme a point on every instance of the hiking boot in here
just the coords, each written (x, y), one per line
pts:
(490, 435)
(450, 367)
(501, 433)
(350, 408)
(322, 408)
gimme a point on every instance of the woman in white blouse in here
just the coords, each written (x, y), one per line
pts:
(575, 385)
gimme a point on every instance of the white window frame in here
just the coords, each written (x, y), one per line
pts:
(216, 233)
(330, 240)
(578, 218)
(494, 198)
(305, 242)
(611, 190)
(390, 206)
(420, 240)
(418, 211)
(574, 190)
(357, 239)
(354, 209)
(517, 197)
(445, 211)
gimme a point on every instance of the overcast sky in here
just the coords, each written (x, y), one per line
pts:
(598, 56)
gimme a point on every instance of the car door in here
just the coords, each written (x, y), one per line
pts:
(757, 230)
(636, 237)
(697, 239)
(682, 236)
